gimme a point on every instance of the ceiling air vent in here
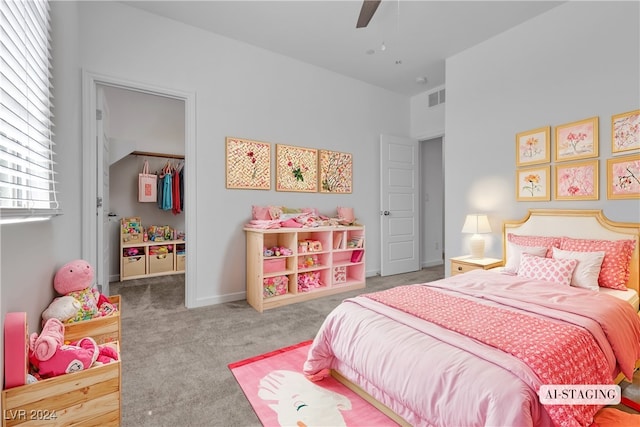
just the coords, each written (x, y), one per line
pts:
(436, 98)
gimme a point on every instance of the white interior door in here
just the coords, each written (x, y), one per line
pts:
(102, 208)
(399, 210)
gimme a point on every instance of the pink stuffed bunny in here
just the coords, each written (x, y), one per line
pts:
(51, 357)
(75, 279)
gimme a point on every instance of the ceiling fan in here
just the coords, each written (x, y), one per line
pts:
(369, 7)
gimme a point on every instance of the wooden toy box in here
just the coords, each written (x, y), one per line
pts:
(83, 398)
(101, 329)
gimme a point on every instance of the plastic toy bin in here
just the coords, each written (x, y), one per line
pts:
(274, 286)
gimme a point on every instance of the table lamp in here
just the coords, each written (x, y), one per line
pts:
(476, 224)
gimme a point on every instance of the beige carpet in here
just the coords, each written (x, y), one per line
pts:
(174, 360)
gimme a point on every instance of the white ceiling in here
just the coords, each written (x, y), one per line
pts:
(420, 34)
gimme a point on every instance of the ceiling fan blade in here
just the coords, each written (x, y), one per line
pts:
(369, 7)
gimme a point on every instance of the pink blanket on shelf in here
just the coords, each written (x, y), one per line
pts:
(263, 224)
(432, 375)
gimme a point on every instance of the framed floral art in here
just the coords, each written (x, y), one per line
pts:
(577, 181)
(623, 177)
(336, 171)
(577, 140)
(532, 147)
(248, 164)
(625, 131)
(296, 168)
(532, 184)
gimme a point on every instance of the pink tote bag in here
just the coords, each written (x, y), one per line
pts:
(147, 185)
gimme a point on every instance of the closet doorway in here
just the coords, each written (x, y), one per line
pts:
(129, 117)
(432, 201)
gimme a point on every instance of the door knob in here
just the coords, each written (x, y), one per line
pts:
(386, 213)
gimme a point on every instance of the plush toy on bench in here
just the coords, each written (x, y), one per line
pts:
(62, 308)
(75, 279)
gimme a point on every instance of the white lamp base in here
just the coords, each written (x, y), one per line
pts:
(477, 246)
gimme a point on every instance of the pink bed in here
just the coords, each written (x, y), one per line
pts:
(422, 362)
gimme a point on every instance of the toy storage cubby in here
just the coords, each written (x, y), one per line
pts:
(348, 256)
(141, 258)
(309, 270)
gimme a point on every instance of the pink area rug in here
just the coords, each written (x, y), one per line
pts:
(281, 395)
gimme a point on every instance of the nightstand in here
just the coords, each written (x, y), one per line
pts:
(462, 264)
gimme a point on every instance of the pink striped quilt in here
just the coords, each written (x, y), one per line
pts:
(558, 352)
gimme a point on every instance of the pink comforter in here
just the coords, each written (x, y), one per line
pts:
(432, 376)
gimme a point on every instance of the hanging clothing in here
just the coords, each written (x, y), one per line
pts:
(167, 200)
(182, 187)
(160, 189)
(176, 193)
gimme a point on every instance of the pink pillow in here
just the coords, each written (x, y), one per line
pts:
(547, 269)
(345, 215)
(266, 213)
(614, 271)
(261, 213)
(537, 241)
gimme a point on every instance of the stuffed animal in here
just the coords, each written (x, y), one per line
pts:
(50, 357)
(75, 279)
(62, 308)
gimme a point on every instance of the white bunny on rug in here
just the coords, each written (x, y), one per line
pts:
(302, 402)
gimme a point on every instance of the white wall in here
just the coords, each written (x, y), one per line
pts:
(578, 60)
(241, 91)
(246, 92)
(32, 252)
(426, 122)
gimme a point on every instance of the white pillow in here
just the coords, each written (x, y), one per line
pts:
(514, 253)
(588, 269)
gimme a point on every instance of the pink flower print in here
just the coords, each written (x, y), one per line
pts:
(253, 159)
(573, 190)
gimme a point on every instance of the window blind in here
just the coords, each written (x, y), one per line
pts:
(27, 177)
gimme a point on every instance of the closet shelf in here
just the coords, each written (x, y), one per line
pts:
(162, 155)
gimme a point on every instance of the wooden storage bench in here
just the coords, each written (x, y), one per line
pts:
(83, 398)
(101, 329)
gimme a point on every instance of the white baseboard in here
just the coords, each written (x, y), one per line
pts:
(432, 263)
(219, 299)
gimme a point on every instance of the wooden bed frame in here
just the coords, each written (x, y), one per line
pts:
(579, 224)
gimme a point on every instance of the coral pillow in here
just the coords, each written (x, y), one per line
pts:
(547, 269)
(515, 253)
(538, 241)
(587, 270)
(614, 272)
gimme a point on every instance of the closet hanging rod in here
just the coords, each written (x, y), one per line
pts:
(163, 155)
